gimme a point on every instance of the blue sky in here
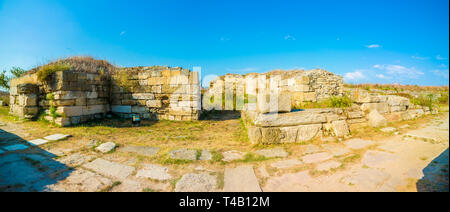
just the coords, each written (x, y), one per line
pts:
(402, 41)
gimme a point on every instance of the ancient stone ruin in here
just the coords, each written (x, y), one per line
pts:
(84, 93)
(83, 89)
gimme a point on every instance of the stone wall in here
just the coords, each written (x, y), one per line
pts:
(305, 125)
(229, 92)
(156, 93)
(72, 97)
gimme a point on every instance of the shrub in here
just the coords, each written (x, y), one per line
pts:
(424, 100)
(443, 99)
(339, 101)
(47, 70)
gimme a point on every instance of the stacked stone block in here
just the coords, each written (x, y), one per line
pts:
(73, 97)
(301, 86)
(157, 93)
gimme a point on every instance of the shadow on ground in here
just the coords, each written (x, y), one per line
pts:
(221, 115)
(435, 177)
(24, 167)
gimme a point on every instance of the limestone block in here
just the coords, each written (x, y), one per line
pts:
(381, 107)
(70, 110)
(75, 120)
(27, 99)
(94, 109)
(271, 135)
(27, 88)
(65, 102)
(63, 122)
(308, 132)
(129, 102)
(138, 109)
(154, 103)
(289, 119)
(254, 135)
(144, 96)
(274, 102)
(376, 119)
(355, 114)
(393, 100)
(193, 78)
(289, 134)
(121, 108)
(340, 128)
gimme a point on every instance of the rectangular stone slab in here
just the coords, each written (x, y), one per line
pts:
(109, 168)
(56, 137)
(289, 119)
(241, 179)
(39, 141)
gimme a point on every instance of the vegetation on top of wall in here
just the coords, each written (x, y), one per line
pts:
(45, 71)
(398, 88)
(332, 102)
(82, 64)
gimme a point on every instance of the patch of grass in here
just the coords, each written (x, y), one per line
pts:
(351, 158)
(250, 157)
(174, 181)
(148, 190)
(45, 71)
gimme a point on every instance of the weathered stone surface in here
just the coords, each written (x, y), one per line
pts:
(106, 147)
(272, 153)
(367, 179)
(254, 134)
(232, 155)
(380, 107)
(376, 119)
(183, 154)
(308, 132)
(358, 143)
(284, 164)
(274, 102)
(326, 166)
(271, 135)
(37, 142)
(155, 172)
(205, 155)
(340, 128)
(316, 157)
(241, 179)
(56, 137)
(290, 182)
(310, 148)
(336, 150)
(377, 159)
(109, 168)
(82, 180)
(141, 150)
(196, 183)
(75, 159)
(289, 119)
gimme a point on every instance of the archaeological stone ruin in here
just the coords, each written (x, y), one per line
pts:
(86, 89)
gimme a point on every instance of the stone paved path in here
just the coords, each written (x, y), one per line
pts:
(414, 160)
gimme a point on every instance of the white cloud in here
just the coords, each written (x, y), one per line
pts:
(354, 76)
(441, 73)
(123, 33)
(399, 71)
(443, 66)
(438, 57)
(289, 37)
(372, 46)
(381, 76)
